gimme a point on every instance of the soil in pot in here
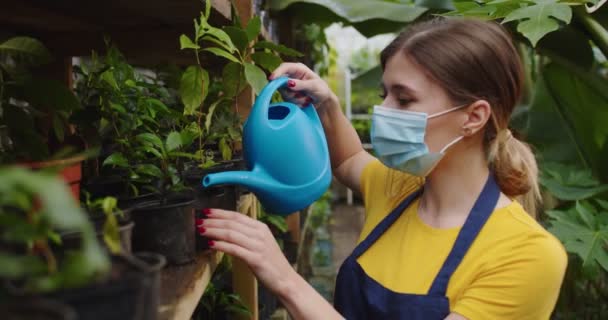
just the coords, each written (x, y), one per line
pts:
(151, 299)
(37, 309)
(166, 228)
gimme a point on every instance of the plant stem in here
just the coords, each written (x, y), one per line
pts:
(598, 34)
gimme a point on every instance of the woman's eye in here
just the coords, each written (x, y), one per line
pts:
(403, 101)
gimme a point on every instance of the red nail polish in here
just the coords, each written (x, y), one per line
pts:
(291, 83)
(211, 243)
(199, 221)
(201, 229)
(206, 211)
(270, 76)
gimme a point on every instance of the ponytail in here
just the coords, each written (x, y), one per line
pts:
(516, 170)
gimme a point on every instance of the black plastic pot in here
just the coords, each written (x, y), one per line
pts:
(72, 240)
(120, 296)
(151, 299)
(218, 197)
(104, 186)
(37, 309)
(167, 229)
(135, 201)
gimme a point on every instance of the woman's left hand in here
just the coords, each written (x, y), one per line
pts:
(250, 240)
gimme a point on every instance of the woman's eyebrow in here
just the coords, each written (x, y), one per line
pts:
(398, 87)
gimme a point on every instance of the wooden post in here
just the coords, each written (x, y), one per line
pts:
(244, 282)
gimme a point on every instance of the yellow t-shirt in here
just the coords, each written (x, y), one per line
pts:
(513, 269)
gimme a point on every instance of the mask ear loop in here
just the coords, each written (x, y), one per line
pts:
(451, 144)
(438, 114)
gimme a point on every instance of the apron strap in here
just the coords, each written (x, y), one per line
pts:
(385, 224)
(483, 208)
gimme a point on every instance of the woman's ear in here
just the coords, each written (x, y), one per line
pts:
(478, 114)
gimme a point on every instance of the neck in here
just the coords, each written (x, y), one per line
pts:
(453, 186)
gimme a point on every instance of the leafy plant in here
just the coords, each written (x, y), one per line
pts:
(119, 104)
(107, 206)
(34, 207)
(218, 302)
(246, 59)
(33, 109)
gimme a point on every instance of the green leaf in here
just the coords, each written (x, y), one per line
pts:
(587, 242)
(50, 95)
(266, 60)
(576, 97)
(149, 170)
(540, 18)
(223, 37)
(157, 105)
(108, 77)
(116, 159)
(225, 149)
(256, 77)
(253, 28)
(150, 139)
(570, 183)
(222, 53)
(233, 79)
(279, 48)
(174, 141)
(209, 115)
(186, 43)
(18, 266)
(207, 8)
(276, 221)
(360, 10)
(238, 36)
(111, 233)
(26, 49)
(193, 88)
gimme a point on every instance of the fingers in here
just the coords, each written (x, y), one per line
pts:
(235, 251)
(231, 231)
(231, 216)
(297, 97)
(293, 70)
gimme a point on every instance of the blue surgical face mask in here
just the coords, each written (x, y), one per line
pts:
(398, 140)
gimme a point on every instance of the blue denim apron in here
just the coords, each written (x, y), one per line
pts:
(357, 296)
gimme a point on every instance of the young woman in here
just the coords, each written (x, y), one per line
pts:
(450, 199)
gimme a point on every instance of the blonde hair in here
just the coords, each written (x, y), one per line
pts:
(476, 60)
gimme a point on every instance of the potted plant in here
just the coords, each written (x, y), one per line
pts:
(35, 111)
(214, 104)
(165, 224)
(35, 208)
(118, 104)
(113, 226)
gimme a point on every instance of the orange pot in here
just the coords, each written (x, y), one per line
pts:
(70, 170)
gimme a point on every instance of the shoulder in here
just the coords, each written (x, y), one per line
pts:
(517, 233)
(521, 269)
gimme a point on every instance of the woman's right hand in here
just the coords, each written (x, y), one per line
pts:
(304, 86)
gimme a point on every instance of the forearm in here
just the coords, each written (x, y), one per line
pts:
(342, 138)
(303, 302)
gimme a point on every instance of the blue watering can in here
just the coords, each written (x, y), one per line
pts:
(286, 153)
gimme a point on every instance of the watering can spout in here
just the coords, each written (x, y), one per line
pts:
(251, 180)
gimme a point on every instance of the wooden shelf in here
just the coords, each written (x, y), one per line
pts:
(146, 31)
(183, 286)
